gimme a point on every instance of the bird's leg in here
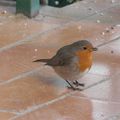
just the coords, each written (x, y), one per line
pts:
(76, 83)
(71, 86)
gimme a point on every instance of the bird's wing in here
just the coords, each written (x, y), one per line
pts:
(61, 58)
(59, 61)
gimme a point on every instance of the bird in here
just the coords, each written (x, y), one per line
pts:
(72, 61)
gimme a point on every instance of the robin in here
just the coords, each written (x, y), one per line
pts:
(72, 61)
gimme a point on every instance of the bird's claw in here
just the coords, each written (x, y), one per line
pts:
(74, 88)
(76, 83)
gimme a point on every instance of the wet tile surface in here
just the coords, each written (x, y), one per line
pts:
(6, 116)
(75, 108)
(78, 31)
(107, 17)
(107, 91)
(79, 10)
(33, 91)
(19, 29)
(68, 108)
(21, 63)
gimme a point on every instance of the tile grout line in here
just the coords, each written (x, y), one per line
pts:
(105, 43)
(97, 83)
(9, 111)
(36, 107)
(33, 108)
(26, 39)
(73, 19)
(30, 72)
(21, 76)
(41, 105)
(29, 38)
(101, 81)
(113, 117)
(99, 11)
(95, 99)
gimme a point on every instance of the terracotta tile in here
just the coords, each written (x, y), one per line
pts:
(108, 16)
(70, 34)
(107, 69)
(50, 19)
(106, 59)
(104, 4)
(74, 108)
(4, 18)
(77, 31)
(19, 59)
(79, 10)
(116, 116)
(16, 61)
(111, 50)
(68, 109)
(96, 27)
(6, 116)
(105, 110)
(105, 54)
(107, 91)
(19, 28)
(21, 63)
(37, 88)
(92, 79)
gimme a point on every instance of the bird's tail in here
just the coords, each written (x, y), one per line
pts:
(42, 60)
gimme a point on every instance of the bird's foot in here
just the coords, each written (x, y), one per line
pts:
(74, 88)
(76, 83)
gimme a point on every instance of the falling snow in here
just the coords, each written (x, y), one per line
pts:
(79, 27)
(113, 31)
(96, 39)
(48, 51)
(111, 16)
(113, 1)
(98, 21)
(101, 14)
(34, 57)
(56, 2)
(25, 24)
(36, 50)
(103, 33)
(1, 23)
(96, 11)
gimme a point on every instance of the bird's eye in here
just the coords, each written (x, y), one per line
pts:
(84, 48)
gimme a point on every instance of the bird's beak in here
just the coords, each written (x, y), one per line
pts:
(95, 49)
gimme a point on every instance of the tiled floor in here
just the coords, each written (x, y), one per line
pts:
(31, 91)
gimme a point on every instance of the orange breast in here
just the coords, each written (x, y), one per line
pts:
(85, 60)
